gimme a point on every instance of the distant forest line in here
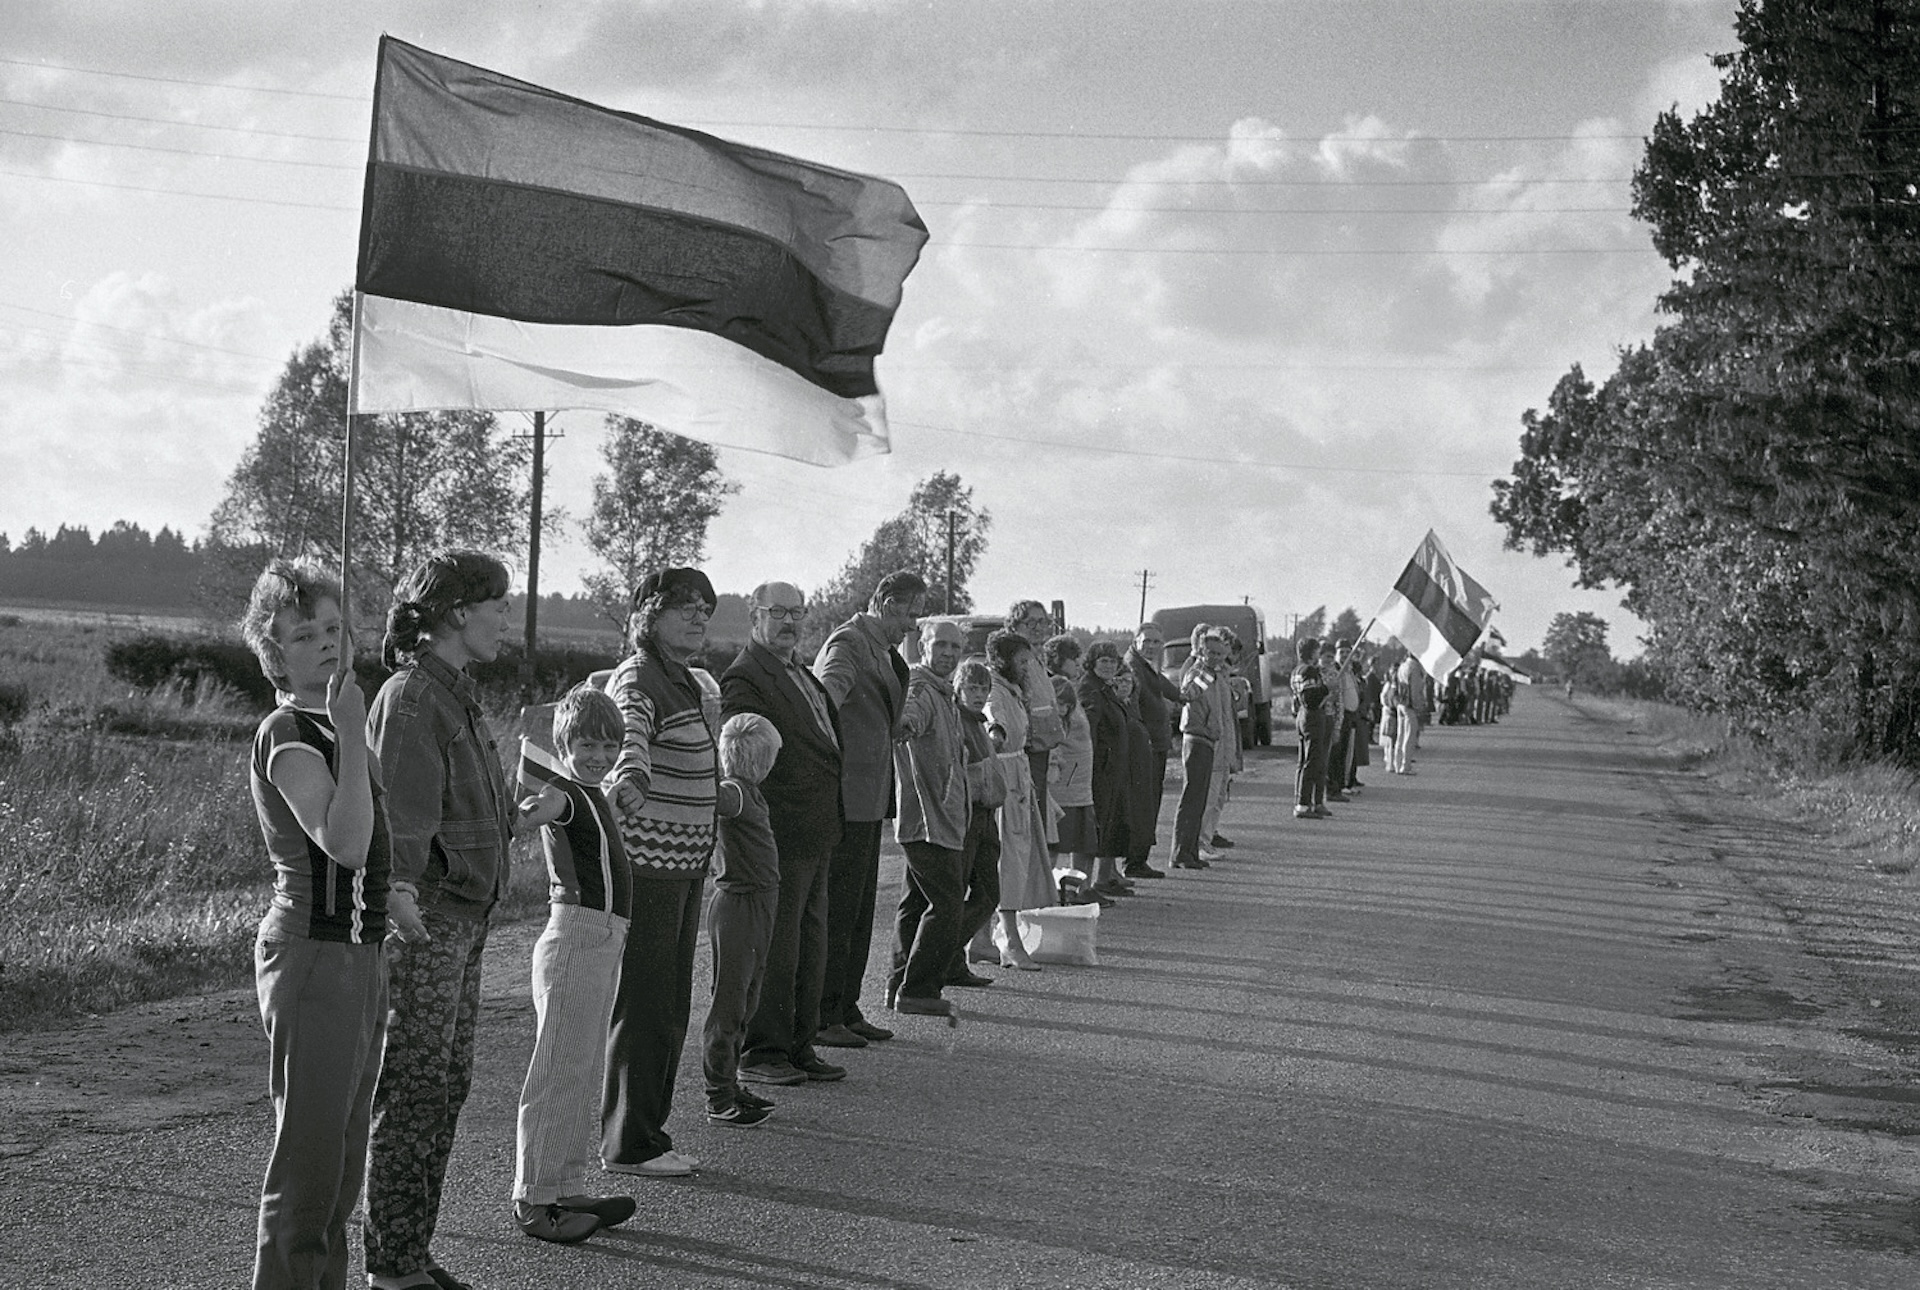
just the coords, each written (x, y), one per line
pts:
(127, 566)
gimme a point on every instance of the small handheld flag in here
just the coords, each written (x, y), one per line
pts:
(539, 768)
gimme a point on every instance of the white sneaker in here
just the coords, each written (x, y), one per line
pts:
(691, 1162)
(1209, 854)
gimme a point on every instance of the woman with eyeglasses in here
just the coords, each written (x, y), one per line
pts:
(663, 789)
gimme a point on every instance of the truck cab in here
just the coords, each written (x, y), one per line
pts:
(1250, 625)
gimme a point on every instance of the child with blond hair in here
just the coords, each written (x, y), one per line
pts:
(740, 913)
(319, 970)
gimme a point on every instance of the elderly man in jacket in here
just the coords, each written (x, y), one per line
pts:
(867, 680)
(1159, 701)
(803, 806)
(931, 763)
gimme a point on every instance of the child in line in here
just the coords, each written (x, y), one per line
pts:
(1070, 787)
(980, 853)
(576, 969)
(319, 968)
(740, 913)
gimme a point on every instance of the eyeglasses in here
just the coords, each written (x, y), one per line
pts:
(784, 613)
(689, 612)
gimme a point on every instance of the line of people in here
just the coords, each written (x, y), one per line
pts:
(389, 824)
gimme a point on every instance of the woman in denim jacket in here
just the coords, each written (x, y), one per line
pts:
(451, 818)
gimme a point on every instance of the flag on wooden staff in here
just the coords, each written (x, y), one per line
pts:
(1435, 609)
(521, 249)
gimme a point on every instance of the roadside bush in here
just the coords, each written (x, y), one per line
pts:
(13, 702)
(152, 660)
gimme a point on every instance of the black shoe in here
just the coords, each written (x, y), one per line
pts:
(1145, 871)
(972, 980)
(1222, 841)
(738, 1114)
(820, 1072)
(867, 1030)
(839, 1036)
(610, 1210)
(746, 1097)
(552, 1223)
(1338, 797)
(1195, 863)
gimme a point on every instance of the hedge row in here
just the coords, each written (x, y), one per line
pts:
(151, 660)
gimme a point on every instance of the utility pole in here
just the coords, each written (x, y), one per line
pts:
(1144, 575)
(533, 556)
(952, 516)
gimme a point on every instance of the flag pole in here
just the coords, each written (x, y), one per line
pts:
(345, 663)
(346, 494)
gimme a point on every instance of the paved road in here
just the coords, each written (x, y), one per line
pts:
(1514, 1021)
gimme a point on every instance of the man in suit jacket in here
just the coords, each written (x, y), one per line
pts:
(867, 680)
(1159, 700)
(803, 805)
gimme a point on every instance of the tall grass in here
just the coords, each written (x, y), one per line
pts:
(131, 863)
(1870, 808)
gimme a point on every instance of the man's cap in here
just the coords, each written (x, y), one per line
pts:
(665, 582)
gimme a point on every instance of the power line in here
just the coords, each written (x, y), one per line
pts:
(1033, 441)
(179, 192)
(997, 204)
(1290, 252)
(182, 152)
(179, 80)
(131, 331)
(188, 125)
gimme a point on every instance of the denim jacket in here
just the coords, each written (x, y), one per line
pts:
(447, 802)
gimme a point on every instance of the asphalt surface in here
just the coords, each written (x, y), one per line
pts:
(1518, 1020)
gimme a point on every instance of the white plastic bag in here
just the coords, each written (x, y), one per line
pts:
(1061, 934)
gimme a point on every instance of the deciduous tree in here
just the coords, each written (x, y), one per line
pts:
(914, 539)
(423, 481)
(650, 511)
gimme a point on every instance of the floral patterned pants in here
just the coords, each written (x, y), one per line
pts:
(434, 994)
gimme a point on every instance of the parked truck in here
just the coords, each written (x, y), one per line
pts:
(1250, 625)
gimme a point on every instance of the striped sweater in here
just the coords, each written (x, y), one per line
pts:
(668, 754)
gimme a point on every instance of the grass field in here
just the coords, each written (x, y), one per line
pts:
(1873, 809)
(131, 866)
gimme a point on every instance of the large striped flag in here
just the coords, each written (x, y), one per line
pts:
(520, 249)
(1435, 609)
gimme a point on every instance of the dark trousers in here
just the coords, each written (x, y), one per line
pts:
(1310, 780)
(1146, 815)
(739, 925)
(649, 1019)
(980, 859)
(1196, 763)
(1340, 756)
(324, 1007)
(852, 886)
(783, 1026)
(932, 910)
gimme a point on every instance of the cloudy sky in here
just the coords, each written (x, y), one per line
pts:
(1246, 294)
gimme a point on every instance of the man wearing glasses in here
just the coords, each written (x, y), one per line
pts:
(803, 805)
(867, 680)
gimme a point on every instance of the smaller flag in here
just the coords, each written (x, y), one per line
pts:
(1435, 609)
(1505, 668)
(538, 768)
